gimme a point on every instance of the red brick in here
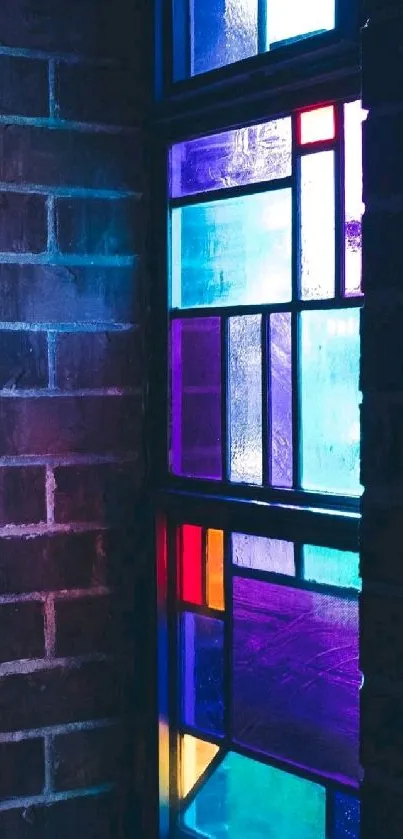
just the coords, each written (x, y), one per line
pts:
(110, 227)
(87, 758)
(22, 768)
(23, 86)
(86, 625)
(22, 495)
(95, 492)
(103, 94)
(23, 222)
(57, 696)
(23, 360)
(61, 425)
(90, 817)
(21, 631)
(98, 359)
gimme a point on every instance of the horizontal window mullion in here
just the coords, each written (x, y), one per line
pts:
(209, 195)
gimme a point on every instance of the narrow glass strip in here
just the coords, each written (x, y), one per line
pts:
(280, 400)
(245, 399)
(317, 226)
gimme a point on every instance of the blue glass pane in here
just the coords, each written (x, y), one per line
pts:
(290, 20)
(223, 31)
(233, 251)
(245, 399)
(244, 799)
(331, 567)
(330, 356)
(202, 668)
(346, 817)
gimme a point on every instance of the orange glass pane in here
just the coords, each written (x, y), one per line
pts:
(190, 564)
(317, 125)
(215, 569)
(195, 756)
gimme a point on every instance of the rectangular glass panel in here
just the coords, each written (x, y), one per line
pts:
(330, 420)
(290, 20)
(317, 125)
(223, 31)
(196, 398)
(263, 554)
(280, 400)
(354, 207)
(215, 569)
(245, 399)
(244, 799)
(232, 158)
(202, 669)
(317, 226)
(295, 676)
(190, 570)
(232, 251)
(163, 677)
(334, 568)
(346, 817)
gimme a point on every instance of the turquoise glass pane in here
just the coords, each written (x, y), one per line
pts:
(233, 251)
(290, 20)
(244, 799)
(331, 567)
(245, 400)
(330, 419)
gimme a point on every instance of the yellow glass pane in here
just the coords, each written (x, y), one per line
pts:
(215, 569)
(196, 755)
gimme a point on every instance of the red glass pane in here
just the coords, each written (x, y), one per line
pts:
(190, 564)
(317, 125)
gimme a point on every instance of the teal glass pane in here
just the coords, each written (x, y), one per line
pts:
(245, 400)
(290, 20)
(331, 567)
(233, 251)
(317, 226)
(330, 419)
(244, 799)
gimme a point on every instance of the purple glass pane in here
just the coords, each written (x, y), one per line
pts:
(353, 117)
(296, 679)
(196, 398)
(263, 554)
(223, 31)
(280, 400)
(202, 671)
(232, 158)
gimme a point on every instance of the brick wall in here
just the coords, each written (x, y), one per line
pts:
(382, 425)
(71, 407)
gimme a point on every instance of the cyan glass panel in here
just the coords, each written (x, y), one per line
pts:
(331, 567)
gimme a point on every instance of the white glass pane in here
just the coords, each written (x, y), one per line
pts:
(317, 226)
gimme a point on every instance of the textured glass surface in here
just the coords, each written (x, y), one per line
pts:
(232, 251)
(190, 564)
(346, 817)
(317, 225)
(295, 676)
(330, 421)
(224, 31)
(263, 554)
(215, 569)
(354, 207)
(244, 799)
(163, 667)
(280, 400)
(233, 158)
(195, 757)
(196, 398)
(317, 124)
(334, 568)
(292, 19)
(245, 399)
(202, 668)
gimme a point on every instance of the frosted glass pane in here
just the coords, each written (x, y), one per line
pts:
(263, 554)
(244, 799)
(196, 398)
(354, 207)
(317, 124)
(245, 399)
(195, 757)
(292, 19)
(331, 567)
(224, 31)
(317, 226)
(233, 158)
(280, 400)
(233, 251)
(330, 420)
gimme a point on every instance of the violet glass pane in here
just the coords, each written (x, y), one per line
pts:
(233, 251)
(263, 554)
(223, 31)
(346, 817)
(317, 226)
(245, 799)
(202, 673)
(245, 399)
(290, 20)
(330, 420)
(280, 400)
(331, 567)
(196, 398)
(295, 676)
(353, 117)
(233, 158)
